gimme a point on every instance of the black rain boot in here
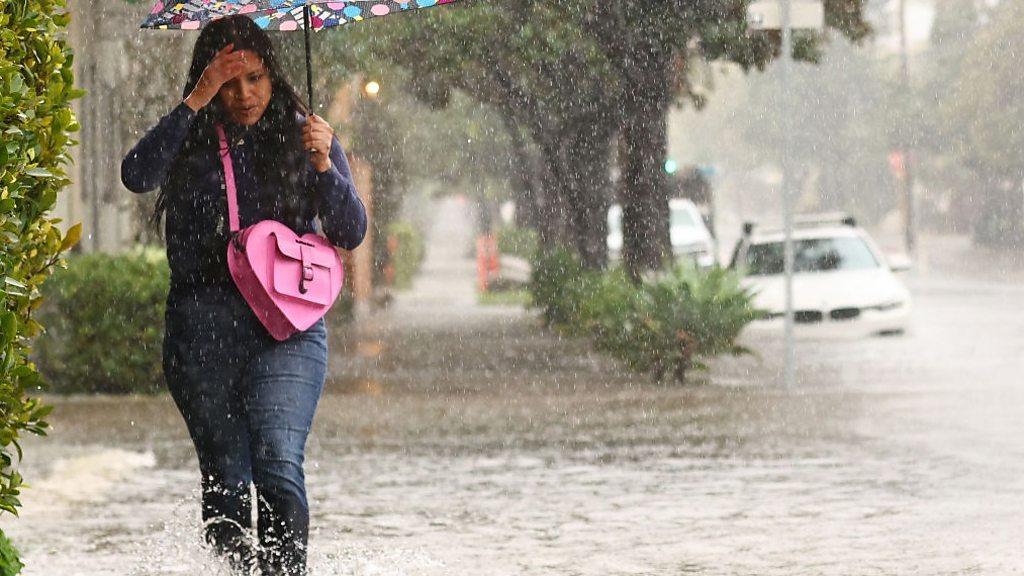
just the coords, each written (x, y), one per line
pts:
(284, 530)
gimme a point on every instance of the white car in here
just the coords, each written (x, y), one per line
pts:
(841, 280)
(690, 237)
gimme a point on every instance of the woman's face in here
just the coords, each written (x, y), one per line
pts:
(245, 97)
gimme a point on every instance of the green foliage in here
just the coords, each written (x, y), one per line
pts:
(965, 98)
(408, 254)
(35, 122)
(104, 319)
(674, 322)
(666, 325)
(984, 100)
(344, 308)
(10, 564)
(518, 297)
(521, 242)
(559, 286)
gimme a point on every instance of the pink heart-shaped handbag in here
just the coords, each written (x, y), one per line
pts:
(289, 281)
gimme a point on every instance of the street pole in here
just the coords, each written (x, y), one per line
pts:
(904, 132)
(785, 69)
(785, 16)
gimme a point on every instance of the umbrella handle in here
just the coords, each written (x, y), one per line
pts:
(309, 64)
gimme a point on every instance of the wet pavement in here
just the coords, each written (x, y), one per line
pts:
(455, 438)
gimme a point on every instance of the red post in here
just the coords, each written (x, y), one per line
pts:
(493, 262)
(481, 263)
(487, 262)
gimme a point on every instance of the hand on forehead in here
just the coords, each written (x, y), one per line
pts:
(251, 61)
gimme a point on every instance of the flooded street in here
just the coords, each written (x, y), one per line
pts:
(460, 439)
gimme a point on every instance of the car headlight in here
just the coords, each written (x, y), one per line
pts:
(888, 306)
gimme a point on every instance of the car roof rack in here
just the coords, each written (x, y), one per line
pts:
(806, 221)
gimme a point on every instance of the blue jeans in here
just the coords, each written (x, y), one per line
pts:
(248, 402)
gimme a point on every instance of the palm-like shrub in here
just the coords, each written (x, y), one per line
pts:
(666, 325)
(673, 323)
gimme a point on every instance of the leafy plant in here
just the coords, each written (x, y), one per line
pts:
(674, 322)
(104, 319)
(407, 254)
(559, 286)
(521, 242)
(10, 564)
(665, 325)
(36, 123)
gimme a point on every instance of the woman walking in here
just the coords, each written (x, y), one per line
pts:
(247, 399)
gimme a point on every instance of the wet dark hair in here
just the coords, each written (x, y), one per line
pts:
(279, 158)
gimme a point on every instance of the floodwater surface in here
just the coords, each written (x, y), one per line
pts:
(459, 439)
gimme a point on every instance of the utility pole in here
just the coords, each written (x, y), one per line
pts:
(785, 16)
(910, 240)
(785, 69)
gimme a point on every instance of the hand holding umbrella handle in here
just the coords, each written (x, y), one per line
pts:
(317, 137)
(225, 65)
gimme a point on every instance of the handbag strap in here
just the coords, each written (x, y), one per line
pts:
(229, 179)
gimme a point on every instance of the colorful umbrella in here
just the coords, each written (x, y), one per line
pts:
(279, 15)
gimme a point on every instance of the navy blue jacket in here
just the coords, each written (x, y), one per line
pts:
(197, 222)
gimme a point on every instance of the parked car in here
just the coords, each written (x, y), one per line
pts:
(690, 237)
(841, 279)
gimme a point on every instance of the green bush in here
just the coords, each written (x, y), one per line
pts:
(409, 253)
(559, 286)
(521, 242)
(606, 311)
(36, 123)
(344, 309)
(10, 564)
(673, 323)
(665, 326)
(104, 320)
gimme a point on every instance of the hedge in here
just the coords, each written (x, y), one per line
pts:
(104, 320)
(408, 252)
(36, 122)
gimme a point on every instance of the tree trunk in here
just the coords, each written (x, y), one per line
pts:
(552, 210)
(523, 180)
(586, 160)
(644, 188)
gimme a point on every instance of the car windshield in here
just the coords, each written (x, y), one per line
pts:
(681, 218)
(812, 255)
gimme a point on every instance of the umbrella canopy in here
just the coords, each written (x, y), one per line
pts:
(279, 15)
(276, 14)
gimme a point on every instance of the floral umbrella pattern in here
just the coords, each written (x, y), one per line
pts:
(276, 14)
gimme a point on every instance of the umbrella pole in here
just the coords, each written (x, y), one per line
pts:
(309, 64)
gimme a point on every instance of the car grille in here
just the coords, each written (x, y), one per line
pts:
(808, 316)
(845, 313)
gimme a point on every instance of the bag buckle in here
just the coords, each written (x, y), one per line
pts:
(307, 276)
(307, 267)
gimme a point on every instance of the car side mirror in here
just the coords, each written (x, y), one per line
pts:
(900, 263)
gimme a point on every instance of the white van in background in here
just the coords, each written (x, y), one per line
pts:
(691, 239)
